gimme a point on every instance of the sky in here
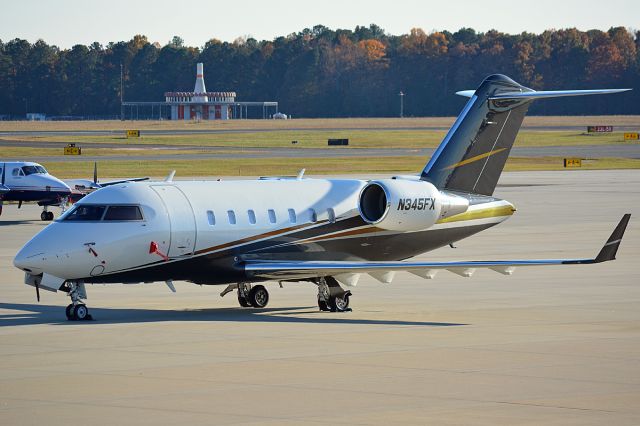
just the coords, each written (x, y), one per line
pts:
(69, 22)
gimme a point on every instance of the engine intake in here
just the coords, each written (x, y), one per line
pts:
(406, 205)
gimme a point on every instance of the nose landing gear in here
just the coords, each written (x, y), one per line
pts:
(77, 311)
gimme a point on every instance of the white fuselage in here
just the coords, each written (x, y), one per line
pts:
(185, 221)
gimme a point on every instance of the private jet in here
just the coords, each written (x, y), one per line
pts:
(322, 231)
(30, 182)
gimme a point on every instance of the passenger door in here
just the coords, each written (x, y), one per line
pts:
(181, 220)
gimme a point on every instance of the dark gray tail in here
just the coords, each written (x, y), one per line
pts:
(473, 154)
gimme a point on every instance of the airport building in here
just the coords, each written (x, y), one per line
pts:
(199, 105)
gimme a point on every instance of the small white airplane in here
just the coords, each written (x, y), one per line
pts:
(23, 181)
(323, 231)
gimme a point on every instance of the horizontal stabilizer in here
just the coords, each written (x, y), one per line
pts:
(280, 270)
(466, 93)
(552, 94)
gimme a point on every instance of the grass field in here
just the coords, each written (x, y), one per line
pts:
(408, 133)
(291, 166)
(318, 139)
(346, 123)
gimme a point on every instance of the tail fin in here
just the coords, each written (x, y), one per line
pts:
(472, 155)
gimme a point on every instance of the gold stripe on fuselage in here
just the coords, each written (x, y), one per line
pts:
(480, 214)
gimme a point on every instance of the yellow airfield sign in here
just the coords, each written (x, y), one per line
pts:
(631, 136)
(573, 162)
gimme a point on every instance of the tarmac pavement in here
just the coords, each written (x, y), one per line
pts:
(548, 345)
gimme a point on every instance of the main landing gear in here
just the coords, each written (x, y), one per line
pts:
(332, 297)
(255, 296)
(77, 311)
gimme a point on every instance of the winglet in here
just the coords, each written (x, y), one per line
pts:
(610, 248)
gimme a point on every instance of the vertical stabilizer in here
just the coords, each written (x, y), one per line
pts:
(473, 154)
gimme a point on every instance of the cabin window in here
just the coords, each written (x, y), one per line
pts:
(211, 217)
(332, 215)
(84, 212)
(17, 172)
(313, 216)
(123, 213)
(232, 217)
(292, 216)
(252, 217)
(272, 216)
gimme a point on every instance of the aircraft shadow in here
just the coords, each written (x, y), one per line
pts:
(49, 314)
(17, 222)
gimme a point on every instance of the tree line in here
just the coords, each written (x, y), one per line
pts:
(320, 72)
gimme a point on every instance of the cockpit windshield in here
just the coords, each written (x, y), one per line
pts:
(31, 170)
(94, 212)
(85, 213)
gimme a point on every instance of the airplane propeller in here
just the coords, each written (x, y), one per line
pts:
(4, 169)
(37, 290)
(95, 173)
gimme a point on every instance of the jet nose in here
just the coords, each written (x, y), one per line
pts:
(30, 260)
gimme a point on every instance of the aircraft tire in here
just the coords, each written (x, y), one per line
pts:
(69, 312)
(44, 215)
(49, 215)
(323, 305)
(80, 312)
(259, 297)
(340, 303)
(244, 302)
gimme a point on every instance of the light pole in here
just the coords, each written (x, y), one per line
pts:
(401, 94)
(121, 94)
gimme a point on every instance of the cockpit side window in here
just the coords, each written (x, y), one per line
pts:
(41, 170)
(17, 172)
(84, 212)
(123, 213)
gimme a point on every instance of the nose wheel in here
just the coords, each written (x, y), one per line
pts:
(77, 311)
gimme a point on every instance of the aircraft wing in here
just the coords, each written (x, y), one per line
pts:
(115, 182)
(383, 271)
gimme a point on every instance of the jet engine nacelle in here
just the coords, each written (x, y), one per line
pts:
(407, 205)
